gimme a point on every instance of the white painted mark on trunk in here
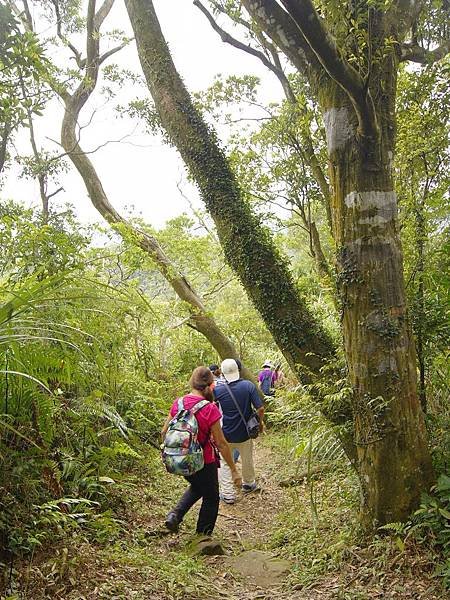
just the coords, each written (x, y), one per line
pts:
(372, 241)
(338, 128)
(375, 208)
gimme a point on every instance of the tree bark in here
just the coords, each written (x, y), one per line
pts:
(420, 238)
(393, 459)
(358, 112)
(199, 318)
(322, 266)
(247, 246)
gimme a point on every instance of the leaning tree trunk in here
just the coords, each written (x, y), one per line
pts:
(74, 102)
(393, 459)
(247, 245)
(199, 317)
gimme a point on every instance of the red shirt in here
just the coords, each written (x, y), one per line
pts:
(206, 417)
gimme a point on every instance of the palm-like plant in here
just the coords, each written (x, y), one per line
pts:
(53, 412)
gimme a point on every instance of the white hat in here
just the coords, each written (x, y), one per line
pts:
(267, 363)
(230, 370)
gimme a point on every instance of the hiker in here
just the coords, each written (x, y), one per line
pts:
(279, 376)
(217, 374)
(235, 429)
(267, 378)
(215, 370)
(204, 483)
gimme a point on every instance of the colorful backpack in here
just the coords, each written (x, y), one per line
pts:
(182, 453)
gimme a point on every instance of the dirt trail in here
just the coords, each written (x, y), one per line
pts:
(250, 569)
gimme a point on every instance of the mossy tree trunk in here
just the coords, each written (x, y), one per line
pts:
(248, 247)
(393, 460)
(358, 107)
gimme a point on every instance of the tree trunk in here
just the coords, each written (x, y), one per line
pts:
(322, 266)
(393, 459)
(247, 246)
(420, 236)
(4, 137)
(357, 99)
(199, 318)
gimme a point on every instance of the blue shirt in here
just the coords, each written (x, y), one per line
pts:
(247, 397)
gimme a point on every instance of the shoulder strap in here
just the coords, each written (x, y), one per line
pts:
(236, 404)
(198, 406)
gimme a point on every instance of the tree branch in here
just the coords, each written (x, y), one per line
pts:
(283, 31)
(62, 37)
(28, 14)
(110, 53)
(324, 46)
(102, 13)
(415, 53)
(229, 39)
(93, 59)
(92, 42)
(107, 54)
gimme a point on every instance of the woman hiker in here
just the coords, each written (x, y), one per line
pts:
(204, 483)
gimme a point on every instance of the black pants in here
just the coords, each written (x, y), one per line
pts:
(203, 484)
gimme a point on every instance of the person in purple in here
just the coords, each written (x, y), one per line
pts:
(267, 378)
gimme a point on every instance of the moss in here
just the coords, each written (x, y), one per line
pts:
(247, 246)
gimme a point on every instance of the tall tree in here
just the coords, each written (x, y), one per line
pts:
(354, 84)
(89, 69)
(247, 246)
(351, 64)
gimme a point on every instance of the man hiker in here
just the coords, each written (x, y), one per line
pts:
(235, 427)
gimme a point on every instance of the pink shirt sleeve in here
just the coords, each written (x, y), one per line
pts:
(212, 414)
(174, 408)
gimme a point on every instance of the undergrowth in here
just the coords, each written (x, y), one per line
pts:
(319, 532)
(117, 552)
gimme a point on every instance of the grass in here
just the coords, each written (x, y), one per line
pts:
(124, 557)
(318, 524)
(318, 531)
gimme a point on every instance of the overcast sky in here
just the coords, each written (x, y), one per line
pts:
(140, 173)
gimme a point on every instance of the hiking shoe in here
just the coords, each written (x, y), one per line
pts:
(227, 500)
(171, 522)
(250, 487)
